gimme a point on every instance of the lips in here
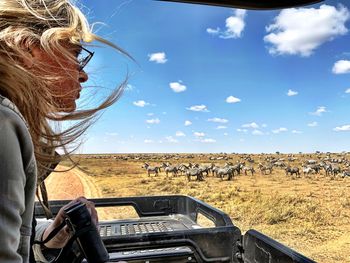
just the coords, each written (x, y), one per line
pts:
(78, 95)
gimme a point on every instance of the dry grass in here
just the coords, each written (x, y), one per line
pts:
(311, 215)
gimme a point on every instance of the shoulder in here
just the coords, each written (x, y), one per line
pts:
(14, 132)
(10, 113)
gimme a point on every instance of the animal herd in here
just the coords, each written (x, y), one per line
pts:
(246, 166)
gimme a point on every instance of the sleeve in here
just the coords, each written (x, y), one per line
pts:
(48, 254)
(39, 231)
(12, 194)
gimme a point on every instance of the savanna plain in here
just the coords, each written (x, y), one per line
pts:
(310, 213)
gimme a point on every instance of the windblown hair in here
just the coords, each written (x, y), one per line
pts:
(48, 24)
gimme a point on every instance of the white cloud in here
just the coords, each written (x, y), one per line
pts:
(296, 132)
(234, 26)
(148, 141)
(188, 123)
(242, 130)
(225, 134)
(319, 111)
(292, 92)
(208, 140)
(171, 139)
(159, 57)
(150, 114)
(302, 30)
(341, 67)
(179, 134)
(347, 91)
(199, 134)
(219, 120)
(213, 31)
(202, 108)
(342, 128)
(312, 124)
(140, 103)
(221, 127)
(257, 132)
(177, 87)
(153, 121)
(232, 99)
(279, 130)
(264, 125)
(252, 125)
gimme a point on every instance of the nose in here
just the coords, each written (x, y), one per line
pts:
(83, 77)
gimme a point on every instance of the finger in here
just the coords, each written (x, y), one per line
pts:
(81, 199)
(94, 216)
(67, 230)
(92, 210)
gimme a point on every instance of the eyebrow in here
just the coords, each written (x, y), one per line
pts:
(78, 48)
(75, 47)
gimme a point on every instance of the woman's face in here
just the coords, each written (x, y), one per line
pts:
(66, 89)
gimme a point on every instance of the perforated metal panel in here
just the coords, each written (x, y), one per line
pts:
(145, 227)
(106, 231)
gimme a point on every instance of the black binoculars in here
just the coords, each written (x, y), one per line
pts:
(88, 239)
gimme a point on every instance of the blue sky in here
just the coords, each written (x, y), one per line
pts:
(214, 79)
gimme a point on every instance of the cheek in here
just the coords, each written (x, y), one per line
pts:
(67, 87)
(66, 92)
(67, 83)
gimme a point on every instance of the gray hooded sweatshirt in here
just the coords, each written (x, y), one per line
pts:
(18, 175)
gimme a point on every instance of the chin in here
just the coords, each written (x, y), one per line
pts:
(68, 107)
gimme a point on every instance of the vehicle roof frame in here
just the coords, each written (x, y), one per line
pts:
(251, 4)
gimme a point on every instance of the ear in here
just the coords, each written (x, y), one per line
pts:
(34, 53)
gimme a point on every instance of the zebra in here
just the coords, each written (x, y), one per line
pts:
(229, 171)
(155, 170)
(335, 170)
(328, 169)
(238, 167)
(182, 168)
(263, 169)
(168, 168)
(195, 172)
(171, 169)
(345, 174)
(292, 170)
(311, 162)
(315, 167)
(307, 170)
(206, 168)
(214, 170)
(280, 164)
(248, 169)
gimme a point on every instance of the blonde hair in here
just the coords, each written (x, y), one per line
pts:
(49, 24)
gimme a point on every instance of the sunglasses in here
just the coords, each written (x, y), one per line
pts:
(84, 58)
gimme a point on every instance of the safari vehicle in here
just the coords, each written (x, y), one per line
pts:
(167, 229)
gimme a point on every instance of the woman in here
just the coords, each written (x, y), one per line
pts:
(41, 77)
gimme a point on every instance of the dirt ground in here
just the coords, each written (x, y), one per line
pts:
(311, 215)
(71, 184)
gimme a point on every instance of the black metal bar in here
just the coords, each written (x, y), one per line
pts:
(251, 4)
(260, 248)
(154, 206)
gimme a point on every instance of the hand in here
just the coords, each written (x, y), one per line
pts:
(62, 237)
